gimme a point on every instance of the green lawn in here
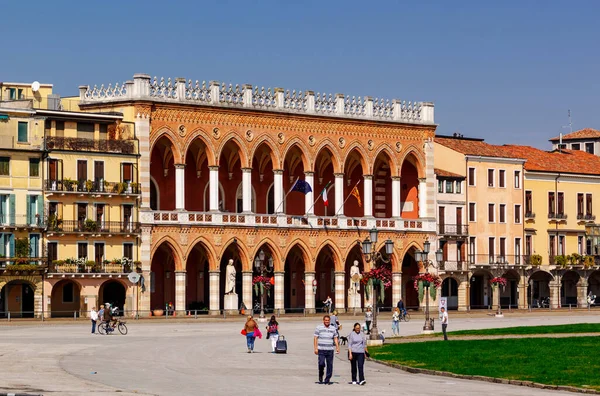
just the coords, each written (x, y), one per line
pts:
(556, 361)
(570, 328)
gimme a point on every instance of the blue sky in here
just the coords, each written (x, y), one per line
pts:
(506, 71)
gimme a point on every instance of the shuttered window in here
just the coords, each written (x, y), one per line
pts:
(22, 132)
(4, 166)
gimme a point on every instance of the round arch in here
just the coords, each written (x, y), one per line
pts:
(450, 291)
(233, 137)
(113, 291)
(65, 298)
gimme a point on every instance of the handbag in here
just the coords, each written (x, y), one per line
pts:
(367, 354)
(268, 335)
(243, 332)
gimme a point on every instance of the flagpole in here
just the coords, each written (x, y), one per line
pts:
(336, 213)
(288, 193)
(319, 197)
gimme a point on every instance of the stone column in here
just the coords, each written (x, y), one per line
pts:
(309, 296)
(279, 292)
(582, 287)
(554, 294)
(278, 187)
(396, 287)
(214, 292)
(180, 186)
(339, 194)
(180, 293)
(247, 289)
(368, 198)
(523, 297)
(396, 196)
(308, 198)
(462, 295)
(496, 298)
(142, 132)
(213, 186)
(247, 190)
(340, 291)
(144, 299)
(422, 198)
(146, 259)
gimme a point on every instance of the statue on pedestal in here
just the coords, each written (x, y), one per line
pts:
(355, 277)
(230, 273)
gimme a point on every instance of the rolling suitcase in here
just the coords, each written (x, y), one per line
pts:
(281, 345)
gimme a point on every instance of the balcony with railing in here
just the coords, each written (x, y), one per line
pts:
(28, 221)
(495, 259)
(90, 267)
(456, 230)
(283, 220)
(81, 144)
(89, 226)
(99, 187)
(453, 265)
(22, 263)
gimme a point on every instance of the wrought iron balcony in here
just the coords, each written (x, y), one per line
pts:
(449, 265)
(81, 144)
(93, 187)
(32, 221)
(13, 263)
(453, 229)
(62, 267)
(496, 259)
(93, 227)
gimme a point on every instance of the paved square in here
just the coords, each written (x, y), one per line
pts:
(191, 358)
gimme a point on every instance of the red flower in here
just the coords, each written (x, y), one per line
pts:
(498, 281)
(382, 273)
(433, 279)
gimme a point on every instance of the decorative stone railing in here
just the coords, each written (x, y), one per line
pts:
(289, 221)
(214, 93)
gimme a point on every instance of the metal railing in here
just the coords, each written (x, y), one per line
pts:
(22, 221)
(453, 265)
(494, 259)
(81, 144)
(91, 186)
(60, 267)
(50, 102)
(13, 263)
(453, 229)
(94, 227)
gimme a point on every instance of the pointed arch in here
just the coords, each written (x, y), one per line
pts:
(335, 156)
(305, 152)
(237, 141)
(413, 155)
(278, 264)
(171, 244)
(167, 133)
(337, 256)
(306, 255)
(200, 135)
(362, 154)
(270, 142)
(205, 243)
(417, 245)
(385, 148)
(242, 250)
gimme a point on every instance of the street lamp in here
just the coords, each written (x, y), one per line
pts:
(263, 268)
(371, 256)
(421, 257)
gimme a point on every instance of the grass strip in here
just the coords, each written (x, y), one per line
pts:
(552, 361)
(556, 329)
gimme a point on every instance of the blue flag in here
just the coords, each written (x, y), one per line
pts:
(302, 186)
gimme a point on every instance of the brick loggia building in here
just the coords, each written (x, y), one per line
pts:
(217, 163)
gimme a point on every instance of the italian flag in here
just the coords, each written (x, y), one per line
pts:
(324, 195)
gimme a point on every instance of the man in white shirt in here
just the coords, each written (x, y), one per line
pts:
(94, 318)
(444, 323)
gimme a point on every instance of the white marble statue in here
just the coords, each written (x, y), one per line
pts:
(355, 277)
(230, 278)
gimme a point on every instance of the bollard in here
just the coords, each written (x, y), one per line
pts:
(195, 314)
(74, 315)
(224, 315)
(9, 316)
(569, 307)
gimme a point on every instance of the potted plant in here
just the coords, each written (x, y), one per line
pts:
(427, 279)
(89, 185)
(138, 266)
(536, 260)
(68, 184)
(588, 261)
(89, 265)
(90, 225)
(498, 281)
(561, 261)
(575, 259)
(80, 263)
(135, 188)
(119, 188)
(97, 268)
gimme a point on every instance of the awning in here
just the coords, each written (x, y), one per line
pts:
(3, 116)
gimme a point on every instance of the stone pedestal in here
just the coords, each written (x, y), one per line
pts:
(353, 301)
(231, 303)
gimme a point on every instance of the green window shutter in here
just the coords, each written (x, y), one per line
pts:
(22, 136)
(2, 252)
(28, 206)
(11, 208)
(34, 240)
(11, 246)
(40, 209)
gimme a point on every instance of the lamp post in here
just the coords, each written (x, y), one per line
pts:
(375, 257)
(263, 267)
(421, 257)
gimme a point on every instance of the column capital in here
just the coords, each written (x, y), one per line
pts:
(313, 273)
(396, 178)
(278, 171)
(309, 173)
(338, 175)
(181, 272)
(368, 177)
(247, 272)
(339, 272)
(213, 167)
(179, 166)
(422, 179)
(280, 273)
(246, 170)
(218, 272)
(396, 273)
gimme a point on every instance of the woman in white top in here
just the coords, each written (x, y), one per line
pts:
(94, 318)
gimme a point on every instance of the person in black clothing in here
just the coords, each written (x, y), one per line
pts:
(401, 307)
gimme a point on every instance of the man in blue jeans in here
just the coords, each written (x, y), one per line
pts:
(325, 342)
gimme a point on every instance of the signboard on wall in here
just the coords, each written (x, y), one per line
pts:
(443, 303)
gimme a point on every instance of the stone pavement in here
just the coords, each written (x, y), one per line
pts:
(160, 358)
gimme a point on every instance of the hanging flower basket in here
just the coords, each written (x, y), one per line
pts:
(498, 281)
(262, 283)
(378, 277)
(422, 281)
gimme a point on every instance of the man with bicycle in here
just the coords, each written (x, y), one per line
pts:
(108, 317)
(401, 308)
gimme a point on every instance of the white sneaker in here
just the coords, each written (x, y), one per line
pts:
(362, 382)
(353, 382)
